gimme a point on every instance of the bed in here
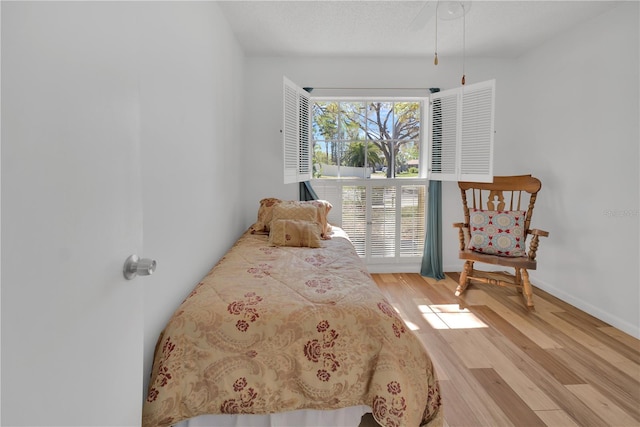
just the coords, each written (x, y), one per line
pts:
(290, 322)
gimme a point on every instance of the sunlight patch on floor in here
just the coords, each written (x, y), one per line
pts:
(450, 316)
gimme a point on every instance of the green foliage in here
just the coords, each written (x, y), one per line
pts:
(355, 155)
(392, 131)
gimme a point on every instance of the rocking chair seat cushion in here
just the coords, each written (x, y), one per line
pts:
(498, 233)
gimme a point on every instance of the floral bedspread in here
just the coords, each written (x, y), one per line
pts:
(274, 329)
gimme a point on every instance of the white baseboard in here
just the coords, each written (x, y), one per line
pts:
(393, 268)
(415, 268)
(579, 303)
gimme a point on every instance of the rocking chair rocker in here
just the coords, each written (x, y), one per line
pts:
(496, 235)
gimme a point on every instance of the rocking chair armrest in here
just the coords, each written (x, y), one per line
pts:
(537, 232)
(533, 246)
(461, 234)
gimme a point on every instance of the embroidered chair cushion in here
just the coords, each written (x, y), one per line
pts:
(497, 232)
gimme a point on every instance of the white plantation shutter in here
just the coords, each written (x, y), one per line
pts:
(443, 135)
(354, 215)
(304, 153)
(290, 133)
(297, 152)
(412, 220)
(461, 130)
(476, 143)
(383, 222)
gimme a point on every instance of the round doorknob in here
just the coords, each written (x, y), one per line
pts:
(135, 266)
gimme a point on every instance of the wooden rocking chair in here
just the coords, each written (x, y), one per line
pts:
(496, 232)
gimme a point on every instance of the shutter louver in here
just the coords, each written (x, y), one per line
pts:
(443, 135)
(412, 221)
(304, 163)
(383, 222)
(354, 215)
(290, 134)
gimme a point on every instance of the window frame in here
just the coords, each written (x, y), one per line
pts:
(424, 109)
(368, 242)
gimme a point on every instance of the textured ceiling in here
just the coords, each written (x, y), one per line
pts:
(504, 29)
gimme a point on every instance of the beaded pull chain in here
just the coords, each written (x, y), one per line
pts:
(435, 60)
(464, 27)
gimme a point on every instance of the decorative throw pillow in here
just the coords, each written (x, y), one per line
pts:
(294, 210)
(265, 213)
(323, 207)
(292, 232)
(322, 212)
(497, 232)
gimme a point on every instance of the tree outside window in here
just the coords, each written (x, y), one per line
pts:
(371, 139)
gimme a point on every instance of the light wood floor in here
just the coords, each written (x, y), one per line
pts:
(502, 365)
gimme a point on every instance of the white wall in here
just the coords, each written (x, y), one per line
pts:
(191, 71)
(188, 106)
(578, 123)
(547, 124)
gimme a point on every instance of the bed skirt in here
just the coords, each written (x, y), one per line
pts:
(346, 417)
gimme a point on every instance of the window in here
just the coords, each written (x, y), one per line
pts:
(366, 162)
(366, 138)
(382, 138)
(370, 158)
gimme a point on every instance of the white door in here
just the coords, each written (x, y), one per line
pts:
(72, 326)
